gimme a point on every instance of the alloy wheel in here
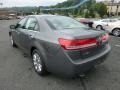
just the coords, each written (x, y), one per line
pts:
(37, 62)
(116, 32)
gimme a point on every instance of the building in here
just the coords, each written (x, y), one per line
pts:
(7, 13)
(113, 7)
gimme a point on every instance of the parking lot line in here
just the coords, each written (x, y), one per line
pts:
(117, 45)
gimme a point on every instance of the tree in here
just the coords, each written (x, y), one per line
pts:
(91, 6)
(101, 9)
(92, 11)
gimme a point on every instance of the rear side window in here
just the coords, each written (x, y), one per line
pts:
(31, 24)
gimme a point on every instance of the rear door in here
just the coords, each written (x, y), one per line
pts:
(28, 34)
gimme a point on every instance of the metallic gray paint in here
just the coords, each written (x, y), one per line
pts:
(58, 60)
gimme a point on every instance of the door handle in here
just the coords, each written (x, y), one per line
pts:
(31, 36)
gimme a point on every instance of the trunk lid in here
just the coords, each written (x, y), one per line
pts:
(78, 34)
(82, 34)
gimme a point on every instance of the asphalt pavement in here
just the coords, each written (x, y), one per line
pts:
(17, 73)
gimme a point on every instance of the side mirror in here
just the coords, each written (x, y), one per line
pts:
(12, 27)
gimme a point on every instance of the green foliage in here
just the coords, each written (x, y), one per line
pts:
(87, 15)
(99, 9)
(92, 11)
(102, 9)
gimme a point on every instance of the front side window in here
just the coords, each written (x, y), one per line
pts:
(21, 24)
(61, 22)
(31, 24)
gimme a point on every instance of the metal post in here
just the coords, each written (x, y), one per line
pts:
(111, 6)
(117, 10)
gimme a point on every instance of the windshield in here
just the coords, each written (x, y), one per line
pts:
(61, 22)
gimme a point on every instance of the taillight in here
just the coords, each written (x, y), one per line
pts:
(77, 43)
(105, 37)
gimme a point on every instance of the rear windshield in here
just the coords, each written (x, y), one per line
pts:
(61, 22)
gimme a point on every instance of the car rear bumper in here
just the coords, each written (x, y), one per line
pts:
(66, 67)
(83, 67)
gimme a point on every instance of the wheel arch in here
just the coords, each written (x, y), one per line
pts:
(38, 47)
(41, 50)
(115, 28)
(32, 49)
(99, 25)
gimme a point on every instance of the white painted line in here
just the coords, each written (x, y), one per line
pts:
(118, 45)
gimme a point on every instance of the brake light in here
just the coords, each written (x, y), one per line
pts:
(78, 43)
(105, 37)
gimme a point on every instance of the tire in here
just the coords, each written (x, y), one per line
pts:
(12, 41)
(99, 27)
(116, 32)
(38, 63)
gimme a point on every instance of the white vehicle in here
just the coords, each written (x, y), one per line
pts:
(110, 25)
(113, 27)
(100, 24)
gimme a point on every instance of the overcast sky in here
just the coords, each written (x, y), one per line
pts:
(12, 3)
(9, 3)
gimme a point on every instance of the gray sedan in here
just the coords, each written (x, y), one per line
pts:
(59, 44)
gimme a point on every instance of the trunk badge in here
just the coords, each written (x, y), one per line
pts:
(99, 41)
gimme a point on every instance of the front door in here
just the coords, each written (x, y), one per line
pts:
(16, 32)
